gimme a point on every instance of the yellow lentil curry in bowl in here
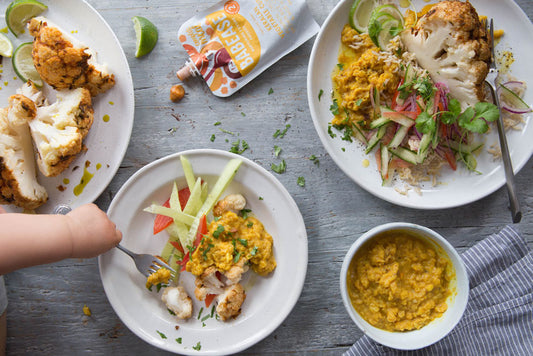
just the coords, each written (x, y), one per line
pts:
(404, 285)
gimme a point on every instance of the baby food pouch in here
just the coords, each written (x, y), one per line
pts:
(233, 41)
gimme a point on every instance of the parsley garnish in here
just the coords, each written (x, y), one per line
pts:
(281, 133)
(163, 336)
(279, 168)
(334, 108)
(197, 347)
(301, 181)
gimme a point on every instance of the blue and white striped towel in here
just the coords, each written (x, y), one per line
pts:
(499, 316)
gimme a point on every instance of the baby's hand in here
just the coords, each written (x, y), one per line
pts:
(92, 233)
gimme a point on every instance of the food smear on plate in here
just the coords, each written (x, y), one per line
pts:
(233, 41)
(410, 88)
(398, 281)
(216, 240)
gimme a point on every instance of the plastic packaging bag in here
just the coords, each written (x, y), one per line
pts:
(233, 41)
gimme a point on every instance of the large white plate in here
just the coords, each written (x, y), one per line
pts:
(459, 187)
(107, 141)
(269, 299)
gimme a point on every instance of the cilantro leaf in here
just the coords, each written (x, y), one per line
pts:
(425, 123)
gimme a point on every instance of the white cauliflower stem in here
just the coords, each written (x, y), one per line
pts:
(18, 180)
(450, 42)
(59, 129)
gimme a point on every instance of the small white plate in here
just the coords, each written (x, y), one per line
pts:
(458, 187)
(269, 299)
(107, 141)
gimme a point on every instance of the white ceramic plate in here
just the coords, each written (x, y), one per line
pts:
(459, 187)
(269, 299)
(107, 141)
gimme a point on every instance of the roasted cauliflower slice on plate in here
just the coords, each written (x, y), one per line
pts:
(58, 129)
(18, 179)
(65, 63)
(450, 42)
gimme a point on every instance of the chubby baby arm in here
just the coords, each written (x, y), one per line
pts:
(91, 231)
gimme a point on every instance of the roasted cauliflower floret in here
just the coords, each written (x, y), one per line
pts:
(208, 283)
(234, 274)
(58, 129)
(63, 62)
(230, 302)
(450, 42)
(232, 202)
(18, 180)
(177, 300)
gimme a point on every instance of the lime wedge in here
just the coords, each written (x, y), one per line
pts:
(6, 47)
(146, 35)
(360, 14)
(23, 64)
(389, 30)
(20, 11)
(387, 11)
(386, 21)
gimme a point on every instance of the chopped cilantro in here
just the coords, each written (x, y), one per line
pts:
(245, 212)
(243, 242)
(301, 181)
(212, 310)
(200, 313)
(358, 102)
(260, 198)
(179, 340)
(197, 347)
(228, 132)
(281, 133)
(217, 123)
(340, 66)
(236, 147)
(314, 159)
(320, 93)
(237, 257)
(243, 114)
(250, 224)
(271, 91)
(218, 231)
(163, 336)
(330, 131)
(279, 168)
(171, 312)
(254, 251)
(334, 108)
(212, 138)
(277, 151)
(207, 316)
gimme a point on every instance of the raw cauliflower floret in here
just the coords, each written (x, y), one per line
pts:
(63, 62)
(177, 300)
(58, 129)
(450, 42)
(230, 302)
(18, 179)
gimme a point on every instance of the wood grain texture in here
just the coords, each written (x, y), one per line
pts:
(45, 303)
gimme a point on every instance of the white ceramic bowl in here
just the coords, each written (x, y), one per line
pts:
(435, 330)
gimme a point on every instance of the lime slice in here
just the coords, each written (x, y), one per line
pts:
(23, 64)
(146, 35)
(360, 14)
(389, 30)
(20, 11)
(6, 47)
(387, 9)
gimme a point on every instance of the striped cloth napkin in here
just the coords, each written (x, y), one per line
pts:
(499, 316)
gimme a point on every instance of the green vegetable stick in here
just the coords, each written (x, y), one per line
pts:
(188, 172)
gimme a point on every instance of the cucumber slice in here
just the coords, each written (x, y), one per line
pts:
(379, 122)
(399, 136)
(405, 154)
(171, 213)
(360, 14)
(376, 137)
(188, 172)
(385, 158)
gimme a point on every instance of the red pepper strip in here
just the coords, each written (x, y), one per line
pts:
(450, 157)
(183, 262)
(178, 246)
(209, 299)
(161, 222)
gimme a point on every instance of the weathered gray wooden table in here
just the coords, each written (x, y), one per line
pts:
(45, 303)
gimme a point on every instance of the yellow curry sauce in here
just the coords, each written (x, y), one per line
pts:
(399, 282)
(230, 239)
(361, 68)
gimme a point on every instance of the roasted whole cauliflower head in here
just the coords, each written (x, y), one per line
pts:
(58, 129)
(63, 62)
(18, 179)
(450, 42)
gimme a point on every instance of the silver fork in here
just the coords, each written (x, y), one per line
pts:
(145, 263)
(491, 80)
